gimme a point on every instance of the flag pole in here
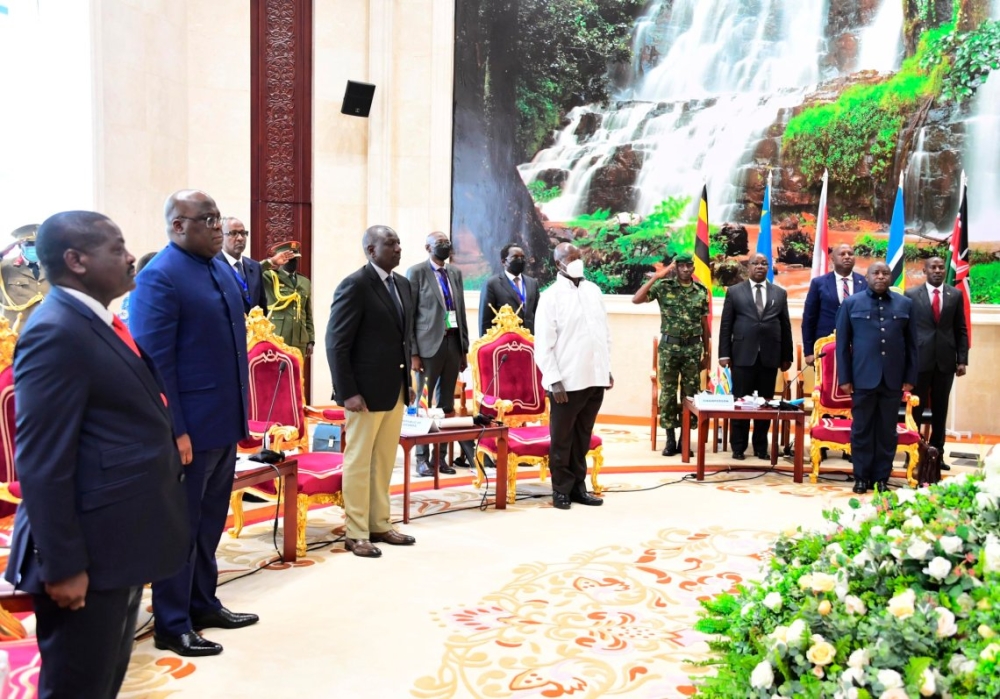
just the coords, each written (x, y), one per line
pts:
(952, 430)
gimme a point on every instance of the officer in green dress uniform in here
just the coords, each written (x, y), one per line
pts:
(289, 297)
(23, 284)
(685, 340)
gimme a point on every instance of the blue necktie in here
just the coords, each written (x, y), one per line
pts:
(448, 303)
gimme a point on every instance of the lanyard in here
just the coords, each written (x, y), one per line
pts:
(520, 292)
(242, 282)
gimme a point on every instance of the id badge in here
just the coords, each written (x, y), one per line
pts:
(451, 320)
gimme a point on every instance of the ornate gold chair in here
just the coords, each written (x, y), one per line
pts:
(830, 423)
(10, 489)
(508, 385)
(276, 379)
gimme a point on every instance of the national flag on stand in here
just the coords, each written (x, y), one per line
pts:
(894, 257)
(764, 237)
(702, 270)
(957, 273)
(821, 246)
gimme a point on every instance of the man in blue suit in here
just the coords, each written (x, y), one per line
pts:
(876, 363)
(248, 273)
(104, 509)
(187, 312)
(826, 293)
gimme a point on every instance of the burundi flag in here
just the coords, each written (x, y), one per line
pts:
(894, 257)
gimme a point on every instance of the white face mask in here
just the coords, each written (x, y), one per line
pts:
(575, 269)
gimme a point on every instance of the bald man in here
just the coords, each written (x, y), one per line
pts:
(187, 312)
(248, 272)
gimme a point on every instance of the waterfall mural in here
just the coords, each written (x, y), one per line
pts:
(598, 122)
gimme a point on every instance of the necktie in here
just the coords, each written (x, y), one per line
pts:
(759, 300)
(239, 269)
(448, 303)
(847, 291)
(395, 298)
(936, 305)
(122, 331)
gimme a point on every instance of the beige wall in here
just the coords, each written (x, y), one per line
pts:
(173, 87)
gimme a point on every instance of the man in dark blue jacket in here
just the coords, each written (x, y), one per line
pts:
(187, 312)
(826, 293)
(876, 362)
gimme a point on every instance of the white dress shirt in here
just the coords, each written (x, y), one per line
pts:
(99, 309)
(840, 285)
(930, 292)
(572, 337)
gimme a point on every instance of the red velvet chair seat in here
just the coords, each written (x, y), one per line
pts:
(319, 473)
(334, 414)
(839, 431)
(529, 441)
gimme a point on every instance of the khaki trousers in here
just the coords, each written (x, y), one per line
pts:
(372, 440)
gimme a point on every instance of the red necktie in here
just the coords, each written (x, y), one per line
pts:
(847, 292)
(121, 331)
(936, 305)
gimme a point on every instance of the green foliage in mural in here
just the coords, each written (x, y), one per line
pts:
(564, 49)
(541, 194)
(984, 280)
(968, 56)
(877, 248)
(855, 137)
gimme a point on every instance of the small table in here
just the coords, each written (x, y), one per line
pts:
(445, 436)
(702, 416)
(288, 471)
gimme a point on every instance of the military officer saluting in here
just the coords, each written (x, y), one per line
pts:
(289, 297)
(22, 280)
(685, 340)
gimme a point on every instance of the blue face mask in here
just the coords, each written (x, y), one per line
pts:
(30, 254)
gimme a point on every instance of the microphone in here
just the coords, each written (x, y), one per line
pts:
(486, 420)
(803, 369)
(266, 455)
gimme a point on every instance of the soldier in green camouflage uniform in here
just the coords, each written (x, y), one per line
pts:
(685, 344)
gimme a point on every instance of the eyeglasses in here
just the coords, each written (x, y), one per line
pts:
(210, 220)
(238, 234)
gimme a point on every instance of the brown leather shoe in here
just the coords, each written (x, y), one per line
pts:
(362, 547)
(393, 538)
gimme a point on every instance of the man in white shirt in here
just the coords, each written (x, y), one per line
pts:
(247, 272)
(573, 352)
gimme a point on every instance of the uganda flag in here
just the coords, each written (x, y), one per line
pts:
(702, 272)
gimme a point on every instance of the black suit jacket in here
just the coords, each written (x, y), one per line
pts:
(255, 283)
(367, 345)
(945, 344)
(743, 335)
(96, 457)
(498, 291)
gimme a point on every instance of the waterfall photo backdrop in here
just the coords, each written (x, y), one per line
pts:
(600, 121)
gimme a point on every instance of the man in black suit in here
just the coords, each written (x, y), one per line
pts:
(942, 346)
(440, 340)
(247, 272)
(104, 508)
(511, 287)
(368, 348)
(826, 293)
(755, 337)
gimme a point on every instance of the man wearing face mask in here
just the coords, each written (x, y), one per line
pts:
(440, 341)
(23, 283)
(573, 352)
(289, 297)
(511, 287)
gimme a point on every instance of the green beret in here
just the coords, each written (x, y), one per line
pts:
(685, 257)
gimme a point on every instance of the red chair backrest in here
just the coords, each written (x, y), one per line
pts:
(269, 382)
(507, 370)
(8, 473)
(830, 395)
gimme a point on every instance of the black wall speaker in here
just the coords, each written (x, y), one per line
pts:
(358, 99)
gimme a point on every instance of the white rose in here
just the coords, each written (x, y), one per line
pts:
(965, 602)
(905, 495)
(960, 479)
(855, 605)
(835, 549)
(762, 676)
(928, 684)
(946, 627)
(747, 608)
(796, 630)
(991, 484)
(823, 582)
(853, 675)
(991, 554)
(894, 533)
(901, 606)
(890, 679)
(896, 552)
(951, 544)
(985, 501)
(862, 559)
(967, 668)
(990, 652)
(828, 528)
(894, 693)
(806, 582)
(955, 664)
(913, 522)
(820, 652)
(939, 568)
(877, 530)
(918, 549)
(780, 635)
(859, 659)
(851, 693)
(773, 601)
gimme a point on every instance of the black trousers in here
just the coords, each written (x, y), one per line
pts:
(746, 380)
(571, 426)
(875, 414)
(441, 374)
(191, 591)
(934, 389)
(85, 653)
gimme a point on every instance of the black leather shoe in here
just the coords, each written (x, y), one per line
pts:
(671, 448)
(189, 644)
(585, 498)
(881, 486)
(738, 455)
(461, 462)
(945, 467)
(424, 469)
(560, 501)
(847, 457)
(762, 455)
(860, 487)
(222, 618)
(445, 468)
